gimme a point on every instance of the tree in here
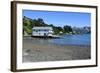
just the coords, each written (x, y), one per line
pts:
(40, 21)
(67, 29)
(57, 30)
(26, 25)
(29, 23)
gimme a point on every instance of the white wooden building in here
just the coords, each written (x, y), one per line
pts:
(42, 31)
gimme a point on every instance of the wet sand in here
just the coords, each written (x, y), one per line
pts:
(37, 52)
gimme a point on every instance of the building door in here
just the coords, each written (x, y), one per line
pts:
(45, 34)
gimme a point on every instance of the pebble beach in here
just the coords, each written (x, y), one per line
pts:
(34, 51)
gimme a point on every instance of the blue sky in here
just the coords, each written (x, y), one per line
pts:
(60, 18)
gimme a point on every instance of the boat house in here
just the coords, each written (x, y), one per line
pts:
(42, 31)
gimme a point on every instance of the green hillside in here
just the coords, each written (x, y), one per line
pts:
(29, 23)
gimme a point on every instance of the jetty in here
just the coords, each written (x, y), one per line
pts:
(53, 36)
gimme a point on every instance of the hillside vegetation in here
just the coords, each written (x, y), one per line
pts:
(29, 23)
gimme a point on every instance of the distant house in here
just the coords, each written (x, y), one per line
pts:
(42, 31)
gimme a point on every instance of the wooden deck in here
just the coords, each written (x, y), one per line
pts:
(53, 36)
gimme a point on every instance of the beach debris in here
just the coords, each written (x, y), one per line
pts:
(26, 52)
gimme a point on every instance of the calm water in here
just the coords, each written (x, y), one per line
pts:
(83, 39)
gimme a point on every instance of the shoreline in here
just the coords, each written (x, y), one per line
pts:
(32, 38)
(37, 52)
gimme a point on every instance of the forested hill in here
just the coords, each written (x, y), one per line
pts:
(29, 23)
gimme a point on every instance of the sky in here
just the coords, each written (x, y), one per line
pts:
(74, 19)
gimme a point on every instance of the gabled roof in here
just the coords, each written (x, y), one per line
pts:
(50, 28)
